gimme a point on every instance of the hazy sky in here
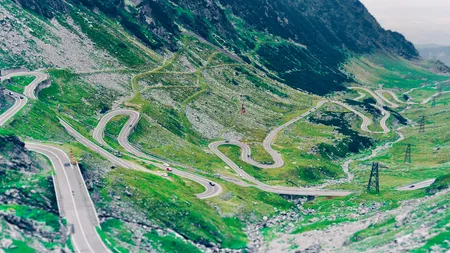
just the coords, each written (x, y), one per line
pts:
(421, 21)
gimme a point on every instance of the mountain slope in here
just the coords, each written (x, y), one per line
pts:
(312, 39)
(198, 72)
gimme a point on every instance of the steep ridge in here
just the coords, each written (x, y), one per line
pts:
(312, 38)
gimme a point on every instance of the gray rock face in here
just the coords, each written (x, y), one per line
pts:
(5, 243)
(45, 8)
(26, 185)
(14, 156)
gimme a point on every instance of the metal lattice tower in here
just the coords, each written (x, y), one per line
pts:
(422, 124)
(374, 180)
(408, 154)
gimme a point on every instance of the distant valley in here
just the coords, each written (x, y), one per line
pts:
(435, 52)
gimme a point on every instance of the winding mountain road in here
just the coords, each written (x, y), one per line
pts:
(20, 100)
(19, 103)
(427, 100)
(395, 97)
(29, 91)
(380, 101)
(275, 189)
(74, 201)
(269, 140)
(210, 190)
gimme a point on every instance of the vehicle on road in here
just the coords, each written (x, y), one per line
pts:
(212, 184)
(412, 186)
(169, 169)
(166, 164)
(21, 97)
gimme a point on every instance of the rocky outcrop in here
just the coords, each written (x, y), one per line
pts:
(18, 167)
(35, 229)
(14, 156)
(45, 8)
(26, 193)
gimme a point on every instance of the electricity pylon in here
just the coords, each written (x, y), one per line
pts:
(408, 154)
(422, 124)
(374, 180)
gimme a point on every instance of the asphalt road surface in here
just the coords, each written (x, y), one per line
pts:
(278, 160)
(425, 101)
(99, 150)
(19, 102)
(380, 101)
(380, 94)
(74, 201)
(269, 140)
(417, 186)
(212, 189)
(395, 97)
(275, 189)
(31, 88)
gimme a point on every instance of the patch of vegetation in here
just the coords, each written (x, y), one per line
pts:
(354, 142)
(29, 209)
(367, 105)
(109, 39)
(402, 120)
(391, 71)
(170, 243)
(314, 174)
(174, 207)
(18, 83)
(373, 230)
(51, 220)
(441, 183)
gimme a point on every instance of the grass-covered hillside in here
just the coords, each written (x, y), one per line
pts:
(190, 68)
